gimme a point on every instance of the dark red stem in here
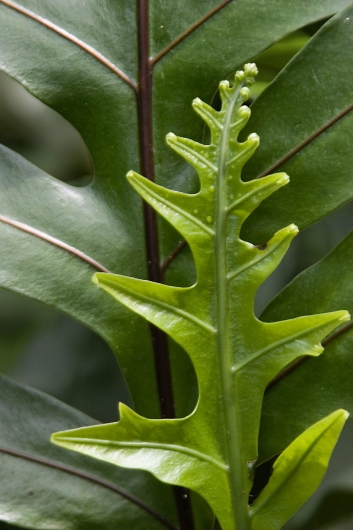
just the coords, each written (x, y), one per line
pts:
(159, 339)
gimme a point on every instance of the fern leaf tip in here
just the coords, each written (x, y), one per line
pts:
(99, 277)
(345, 317)
(224, 84)
(293, 228)
(170, 138)
(250, 69)
(342, 412)
(244, 111)
(254, 138)
(132, 175)
(284, 179)
(245, 93)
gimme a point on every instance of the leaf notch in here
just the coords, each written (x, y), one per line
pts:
(213, 450)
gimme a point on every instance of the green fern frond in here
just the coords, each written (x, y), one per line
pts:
(235, 356)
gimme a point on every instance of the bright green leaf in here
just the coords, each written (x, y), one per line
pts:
(213, 450)
(76, 61)
(297, 473)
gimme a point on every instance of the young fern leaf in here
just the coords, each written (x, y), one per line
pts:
(214, 449)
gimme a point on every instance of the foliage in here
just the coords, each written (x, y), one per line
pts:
(212, 451)
(54, 235)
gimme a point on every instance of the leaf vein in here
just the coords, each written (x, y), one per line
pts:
(54, 241)
(188, 32)
(170, 308)
(70, 37)
(86, 476)
(172, 206)
(274, 346)
(152, 445)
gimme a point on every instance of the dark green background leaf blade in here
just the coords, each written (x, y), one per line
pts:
(105, 220)
(35, 495)
(318, 80)
(326, 382)
(102, 106)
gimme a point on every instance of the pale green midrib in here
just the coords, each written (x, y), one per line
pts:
(142, 445)
(172, 206)
(286, 478)
(253, 262)
(184, 314)
(233, 446)
(275, 345)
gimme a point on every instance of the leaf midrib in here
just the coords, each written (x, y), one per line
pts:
(230, 406)
(305, 142)
(53, 241)
(150, 445)
(170, 308)
(70, 37)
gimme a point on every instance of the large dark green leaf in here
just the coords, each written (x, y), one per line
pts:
(81, 61)
(326, 382)
(45, 487)
(311, 91)
(76, 60)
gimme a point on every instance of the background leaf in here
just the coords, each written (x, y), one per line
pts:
(324, 382)
(37, 493)
(104, 111)
(103, 108)
(319, 82)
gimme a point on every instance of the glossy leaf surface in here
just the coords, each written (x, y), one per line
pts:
(81, 78)
(45, 487)
(76, 60)
(235, 356)
(297, 473)
(325, 384)
(319, 80)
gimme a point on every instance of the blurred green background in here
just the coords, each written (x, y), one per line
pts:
(46, 349)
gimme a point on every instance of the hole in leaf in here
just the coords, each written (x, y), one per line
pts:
(262, 476)
(42, 136)
(184, 379)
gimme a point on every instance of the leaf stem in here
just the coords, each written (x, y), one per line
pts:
(173, 255)
(144, 101)
(236, 473)
(155, 274)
